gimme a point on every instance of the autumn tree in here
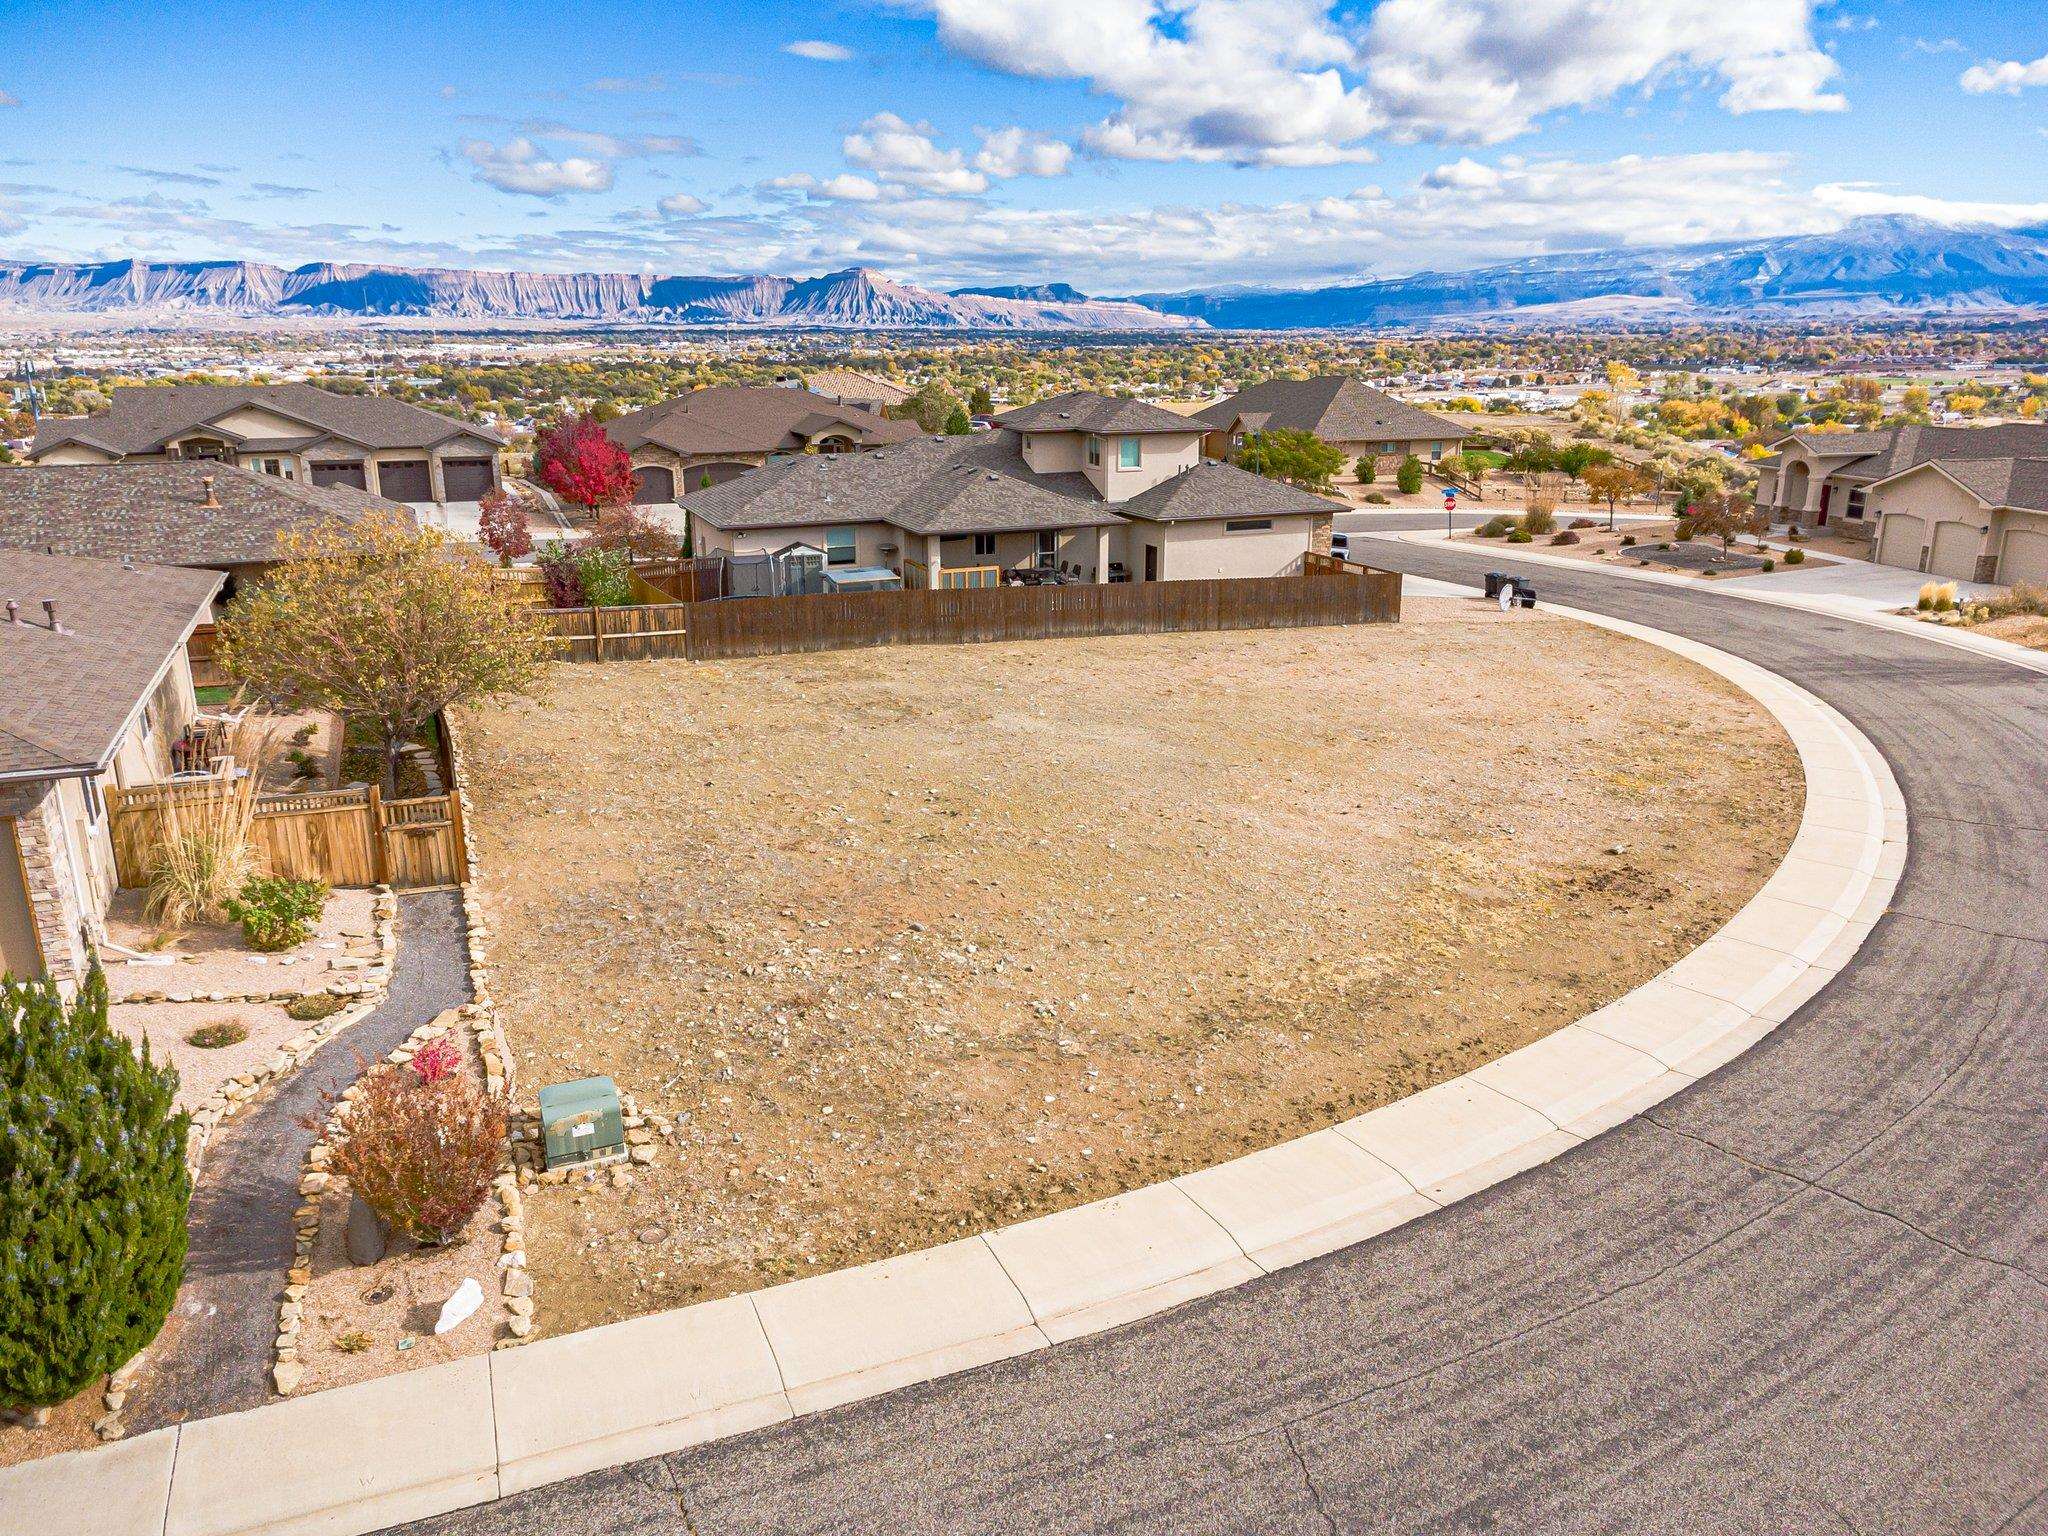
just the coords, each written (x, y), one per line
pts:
(629, 528)
(579, 463)
(1299, 458)
(1723, 515)
(502, 525)
(1613, 483)
(381, 621)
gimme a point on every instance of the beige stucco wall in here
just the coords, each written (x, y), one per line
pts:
(75, 453)
(1053, 453)
(1930, 495)
(1205, 551)
(1161, 456)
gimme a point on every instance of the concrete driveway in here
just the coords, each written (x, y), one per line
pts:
(1853, 585)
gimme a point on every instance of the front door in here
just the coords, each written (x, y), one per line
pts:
(1827, 494)
(1151, 562)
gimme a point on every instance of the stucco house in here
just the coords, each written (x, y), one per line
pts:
(190, 512)
(1969, 503)
(847, 386)
(98, 686)
(296, 432)
(718, 434)
(1091, 486)
(1357, 420)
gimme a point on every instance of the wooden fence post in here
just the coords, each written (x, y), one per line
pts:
(379, 861)
(596, 637)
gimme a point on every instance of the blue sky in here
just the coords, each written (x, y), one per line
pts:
(1123, 145)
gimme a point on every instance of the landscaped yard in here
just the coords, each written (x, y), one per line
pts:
(915, 942)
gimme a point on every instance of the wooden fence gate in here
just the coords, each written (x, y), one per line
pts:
(341, 836)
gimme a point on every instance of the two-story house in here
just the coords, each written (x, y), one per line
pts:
(1360, 422)
(716, 434)
(1969, 503)
(1090, 486)
(389, 448)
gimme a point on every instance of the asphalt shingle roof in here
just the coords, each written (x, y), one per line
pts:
(743, 418)
(1335, 408)
(1086, 410)
(1212, 490)
(155, 509)
(70, 691)
(1894, 450)
(139, 419)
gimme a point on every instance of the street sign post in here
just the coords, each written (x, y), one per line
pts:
(1450, 506)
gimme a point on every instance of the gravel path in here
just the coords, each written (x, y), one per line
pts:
(214, 1356)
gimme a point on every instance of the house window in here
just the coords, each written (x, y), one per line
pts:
(1248, 525)
(1049, 547)
(1127, 453)
(1095, 450)
(984, 545)
(839, 546)
(1855, 503)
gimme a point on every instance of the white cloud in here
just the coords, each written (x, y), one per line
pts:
(629, 85)
(521, 167)
(905, 154)
(680, 205)
(823, 52)
(1300, 82)
(1008, 152)
(2006, 78)
(843, 188)
(1860, 199)
(611, 146)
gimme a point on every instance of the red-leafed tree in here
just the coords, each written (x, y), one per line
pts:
(580, 464)
(501, 524)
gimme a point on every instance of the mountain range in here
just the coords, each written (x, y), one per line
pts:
(1873, 268)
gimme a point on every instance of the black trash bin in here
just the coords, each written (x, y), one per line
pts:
(1525, 595)
(1495, 580)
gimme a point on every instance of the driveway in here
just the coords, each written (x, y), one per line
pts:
(1852, 586)
(1810, 1294)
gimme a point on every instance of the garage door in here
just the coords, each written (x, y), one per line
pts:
(1955, 551)
(1900, 540)
(653, 486)
(404, 480)
(21, 954)
(468, 479)
(2025, 559)
(341, 474)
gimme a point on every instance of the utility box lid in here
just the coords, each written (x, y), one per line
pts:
(581, 1121)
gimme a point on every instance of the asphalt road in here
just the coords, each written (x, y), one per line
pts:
(1808, 1295)
(215, 1355)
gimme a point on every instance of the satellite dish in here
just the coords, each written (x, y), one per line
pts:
(1507, 595)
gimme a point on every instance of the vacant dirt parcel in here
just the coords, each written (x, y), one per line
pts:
(917, 941)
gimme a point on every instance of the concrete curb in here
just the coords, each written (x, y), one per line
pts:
(353, 1459)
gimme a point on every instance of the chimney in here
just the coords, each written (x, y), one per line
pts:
(211, 500)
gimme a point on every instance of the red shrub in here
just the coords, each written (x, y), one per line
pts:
(421, 1153)
(436, 1059)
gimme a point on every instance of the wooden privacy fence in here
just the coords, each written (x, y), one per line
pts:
(341, 837)
(830, 622)
(638, 633)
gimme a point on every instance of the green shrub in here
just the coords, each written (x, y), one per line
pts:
(1494, 527)
(314, 1005)
(1795, 557)
(1772, 565)
(211, 1037)
(1409, 476)
(605, 576)
(1627, 539)
(1377, 499)
(1564, 537)
(1684, 534)
(1366, 472)
(1520, 536)
(1538, 520)
(277, 912)
(92, 1156)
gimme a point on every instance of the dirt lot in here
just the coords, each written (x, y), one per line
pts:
(919, 941)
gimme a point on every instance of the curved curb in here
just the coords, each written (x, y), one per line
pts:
(514, 1420)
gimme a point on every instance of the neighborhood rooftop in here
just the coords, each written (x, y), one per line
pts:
(1336, 409)
(74, 684)
(1084, 410)
(140, 419)
(170, 511)
(748, 419)
(1878, 455)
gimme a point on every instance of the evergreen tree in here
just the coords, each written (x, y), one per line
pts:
(1408, 478)
(957, 424)
(92, 1221)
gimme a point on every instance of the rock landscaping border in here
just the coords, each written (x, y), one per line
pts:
(506, 1422)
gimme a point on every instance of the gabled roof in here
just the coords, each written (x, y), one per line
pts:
(156, 510)
(72, 690)
(749, 418)
(1335, 408)
(140, 419)
(1086, 410)
(1212, 490)
(1875, 456)
(933, 485)
(2019, 484)
(849, 384)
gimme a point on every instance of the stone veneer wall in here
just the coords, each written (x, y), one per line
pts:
(46, 861)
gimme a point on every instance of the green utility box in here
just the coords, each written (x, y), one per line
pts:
(580, 1122)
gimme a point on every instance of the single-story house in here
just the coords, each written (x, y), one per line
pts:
(1969, 503)
(1094, 487)
(98, 687)
(297, 432)
(1357, 420)
(186, 512)
(709, 436)
(847, 386)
